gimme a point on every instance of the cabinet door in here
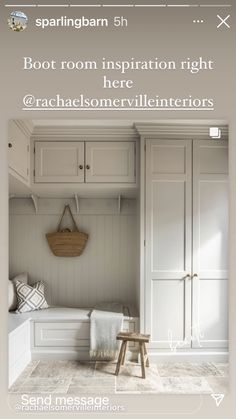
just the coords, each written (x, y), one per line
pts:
(110, 162)
(168, 242)
(18, 152)
(210, 243)
(59, 162)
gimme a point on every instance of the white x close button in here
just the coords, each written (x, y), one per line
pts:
(223, 21)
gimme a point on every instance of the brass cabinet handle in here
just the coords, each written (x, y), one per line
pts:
(87, 166)
(188, 276)
(195, 276)
(9, 145)
(81, 166)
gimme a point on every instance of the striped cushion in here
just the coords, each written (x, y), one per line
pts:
(30, 298)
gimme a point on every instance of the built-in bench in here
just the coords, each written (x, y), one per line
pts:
(55, 333)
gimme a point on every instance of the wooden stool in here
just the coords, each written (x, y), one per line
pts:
(133, 337)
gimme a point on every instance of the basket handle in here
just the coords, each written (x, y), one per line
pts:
(67, 207)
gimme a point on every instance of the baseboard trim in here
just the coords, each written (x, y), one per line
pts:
(193, 356)
(70, 354)
(154, 355)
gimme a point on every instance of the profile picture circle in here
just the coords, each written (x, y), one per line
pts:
(17, 21)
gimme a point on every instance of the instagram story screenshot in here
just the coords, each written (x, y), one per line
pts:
(118, 208)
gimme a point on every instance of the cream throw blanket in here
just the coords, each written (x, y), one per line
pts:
(106, 321)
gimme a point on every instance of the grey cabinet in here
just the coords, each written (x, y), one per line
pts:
(18, 153)
(186, 219)
(85, 162)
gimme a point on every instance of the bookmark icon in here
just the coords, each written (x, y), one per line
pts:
(218, 398)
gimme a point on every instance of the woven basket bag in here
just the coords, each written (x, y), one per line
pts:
(67, 243)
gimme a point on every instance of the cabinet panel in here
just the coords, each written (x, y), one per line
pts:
(210, 322)
(18, 151)
(213, 228)
(62, 334)
(18, 343)
(168, 312)
(18, 351)
(59, 162)
(213, 158)
(210, 243)
(168, 226)
(168, 158)
(110, 162)
(59, 334)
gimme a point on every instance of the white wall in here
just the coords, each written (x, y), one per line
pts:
(107, 268)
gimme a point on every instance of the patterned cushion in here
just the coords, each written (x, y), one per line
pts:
(30, 298)
(12, 300)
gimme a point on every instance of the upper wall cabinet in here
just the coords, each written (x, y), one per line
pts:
(89, 162)
(59, 162)
(18, 153)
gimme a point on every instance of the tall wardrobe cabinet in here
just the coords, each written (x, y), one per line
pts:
(185, 303)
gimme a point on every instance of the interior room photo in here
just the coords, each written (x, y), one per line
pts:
(118, 256)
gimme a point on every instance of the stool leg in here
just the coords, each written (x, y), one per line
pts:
(142, 359)
(119, 358)
(146, 355)
(124, 352)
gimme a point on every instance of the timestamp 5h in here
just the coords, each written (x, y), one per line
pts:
(120, 21)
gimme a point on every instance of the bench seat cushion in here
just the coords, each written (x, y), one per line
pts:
(53, 314)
